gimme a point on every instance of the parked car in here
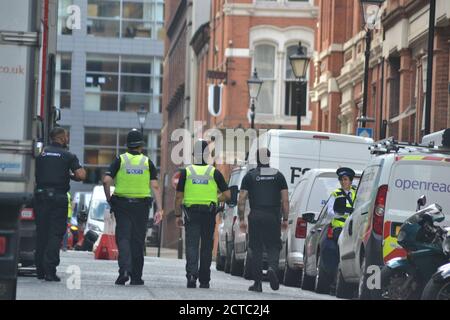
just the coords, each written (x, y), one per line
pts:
(320, 251)
(226, 259)
(310, 195)
(385, 199)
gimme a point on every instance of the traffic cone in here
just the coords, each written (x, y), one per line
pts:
(107, 248)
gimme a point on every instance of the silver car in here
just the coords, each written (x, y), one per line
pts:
(226, 258)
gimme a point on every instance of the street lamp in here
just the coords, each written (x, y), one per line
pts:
(370, 10)
(299, 62)
(142, 116)
(254, 88)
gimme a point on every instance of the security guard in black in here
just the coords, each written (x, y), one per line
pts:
(267, 192)
(55, 167)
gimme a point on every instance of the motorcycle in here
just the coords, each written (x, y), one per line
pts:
(405, 278)
(438, 288)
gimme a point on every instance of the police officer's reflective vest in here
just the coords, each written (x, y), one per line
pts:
(69, 208)
(133, 177)
(200, 187)
(339, 220)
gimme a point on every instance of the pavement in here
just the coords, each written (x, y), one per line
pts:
(84, 278)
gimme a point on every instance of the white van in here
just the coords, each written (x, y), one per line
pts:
(294, 152)
(98, 207)
(387, 195)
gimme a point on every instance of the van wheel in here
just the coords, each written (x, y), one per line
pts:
(247, 274)
(323, 279)
(292, 278)
(308, 282)
(220, 261)
(236, 268)
(344, 290)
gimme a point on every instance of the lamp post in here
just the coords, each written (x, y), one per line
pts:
(370, 10)
(142, 116)
(254, 88)
(299, 62)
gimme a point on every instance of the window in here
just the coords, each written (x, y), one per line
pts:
(292, 86)
(63, 80)
(122, 83)
(102, 145)
(264, 62)
(367, 186)
(125, 19)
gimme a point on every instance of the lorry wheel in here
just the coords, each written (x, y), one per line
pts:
(437, 290)
(323, 279)
(236, 266)
(344, 290)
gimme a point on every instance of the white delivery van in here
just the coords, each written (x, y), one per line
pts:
(295, 152)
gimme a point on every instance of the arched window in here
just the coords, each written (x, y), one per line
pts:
(264, 62)
(291, 86)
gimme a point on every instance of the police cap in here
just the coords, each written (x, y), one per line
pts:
(341, 172)
(135, 139)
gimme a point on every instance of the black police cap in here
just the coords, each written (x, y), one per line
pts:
(135, 139)
(200, 146)
(341, 172)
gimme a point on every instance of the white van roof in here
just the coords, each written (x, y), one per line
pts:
(300, 134)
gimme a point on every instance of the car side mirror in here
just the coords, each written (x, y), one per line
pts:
(309, 217)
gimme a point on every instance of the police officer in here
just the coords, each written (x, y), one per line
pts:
(135, 178)
(348, 192)
(55, 167)
(197, 195)
(267, 191)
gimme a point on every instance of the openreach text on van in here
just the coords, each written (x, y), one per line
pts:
(406, 184)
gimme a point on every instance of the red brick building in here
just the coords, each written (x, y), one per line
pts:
(397, 75)
(244, 35)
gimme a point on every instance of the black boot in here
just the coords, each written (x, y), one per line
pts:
(256, 287)
(204, 285)
(123, 278)
(191, 282)
(273, 279)
(52, 278)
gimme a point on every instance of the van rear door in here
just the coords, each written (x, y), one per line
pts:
(293, 156)
(412, 176)
(338, 153)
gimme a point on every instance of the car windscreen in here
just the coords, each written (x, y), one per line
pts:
(98, 209)
(411, 179)
(321, 190)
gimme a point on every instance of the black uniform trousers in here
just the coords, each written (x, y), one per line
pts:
(199, 227)
(131, 229)
(51, 225)
(264, 231)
